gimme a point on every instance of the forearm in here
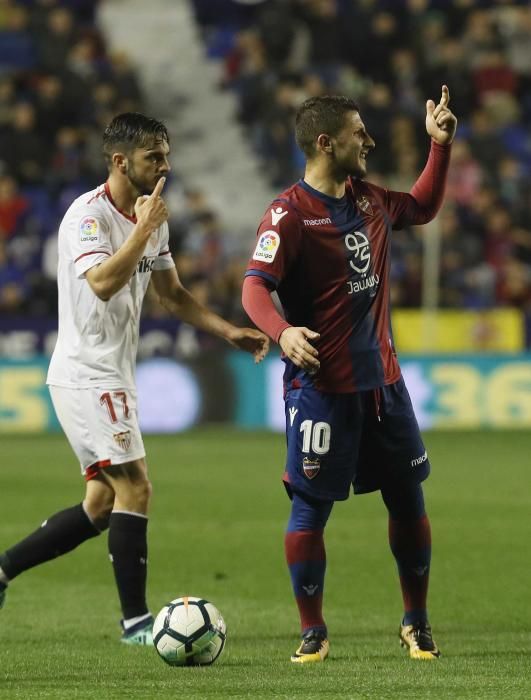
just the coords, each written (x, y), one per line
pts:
(257, 302)
(428, 190)
(110, 276)
(183, 305)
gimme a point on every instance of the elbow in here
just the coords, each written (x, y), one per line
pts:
(103, 295)
(178, 297)
(173, 302)
(428, 216)
(101, 290)
(165, 303)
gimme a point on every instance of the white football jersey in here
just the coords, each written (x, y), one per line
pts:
(97, 340)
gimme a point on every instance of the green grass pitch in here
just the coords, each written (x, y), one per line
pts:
(216, 530)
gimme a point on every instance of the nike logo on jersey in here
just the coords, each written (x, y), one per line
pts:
(292, 413)
(145, 264)
(277, 214)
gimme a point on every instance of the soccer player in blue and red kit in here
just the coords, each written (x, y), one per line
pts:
(324, 247)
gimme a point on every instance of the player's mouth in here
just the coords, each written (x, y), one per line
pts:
(363, 155)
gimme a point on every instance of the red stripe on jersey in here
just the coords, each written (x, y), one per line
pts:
(166, 252)
(111, 200)
(98, 194)
(93, 252)
(92, 471)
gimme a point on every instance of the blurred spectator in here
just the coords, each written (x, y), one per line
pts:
(12, 284)
(464, 176)
(7, 100)
(514, 283)
(17, 50)
(54, 109)
(124, 79)
(56, 39)
(67, 164)
(493, 73)
(23, 147)
(13, 207)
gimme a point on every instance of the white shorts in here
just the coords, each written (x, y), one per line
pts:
(101, 426)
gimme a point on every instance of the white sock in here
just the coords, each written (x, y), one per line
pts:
(133, 620)
(3, 577)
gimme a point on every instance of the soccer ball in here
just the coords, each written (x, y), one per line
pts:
(189, 632)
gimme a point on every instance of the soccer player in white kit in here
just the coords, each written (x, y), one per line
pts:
(112, 242)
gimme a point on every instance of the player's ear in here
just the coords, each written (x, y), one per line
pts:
(119, 160)
(324, 143)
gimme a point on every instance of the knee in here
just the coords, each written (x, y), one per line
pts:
(405, 501)
(308, 514)
(145, 490)
(138, 495)
(99, 511)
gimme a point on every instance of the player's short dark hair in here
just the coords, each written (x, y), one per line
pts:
(129, 131)
(321, 115)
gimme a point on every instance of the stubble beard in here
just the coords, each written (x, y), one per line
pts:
(357, 170)
(351, 170)
(139, 185)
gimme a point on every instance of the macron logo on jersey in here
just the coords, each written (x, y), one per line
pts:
(267, 246)
(277, 214)
(317, 222)
(419, 460)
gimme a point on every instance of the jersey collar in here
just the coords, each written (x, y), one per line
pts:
(111, 200)
(332, 201)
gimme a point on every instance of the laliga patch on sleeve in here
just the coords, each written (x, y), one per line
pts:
(89, 230)
(267, 246)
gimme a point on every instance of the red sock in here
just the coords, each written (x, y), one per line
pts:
(306, 557)
(411, 545)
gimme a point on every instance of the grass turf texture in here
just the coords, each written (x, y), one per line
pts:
(216, 530)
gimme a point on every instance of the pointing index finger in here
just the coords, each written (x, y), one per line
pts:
(445, 96)
(158, 188)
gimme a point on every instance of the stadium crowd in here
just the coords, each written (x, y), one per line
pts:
(58, 89)
(391, 55)
(60, 86)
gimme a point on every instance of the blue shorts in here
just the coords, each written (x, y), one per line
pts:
(369, 440)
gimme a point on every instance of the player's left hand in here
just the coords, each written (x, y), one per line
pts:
(250, 340)
(441, 123)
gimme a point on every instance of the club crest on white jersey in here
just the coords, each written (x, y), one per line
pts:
(267, 246)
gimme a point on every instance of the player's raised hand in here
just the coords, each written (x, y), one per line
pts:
(441, 123)
(295, 343)
(151, 211)
(250, 340)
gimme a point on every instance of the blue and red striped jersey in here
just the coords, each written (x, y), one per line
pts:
(329, 261)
